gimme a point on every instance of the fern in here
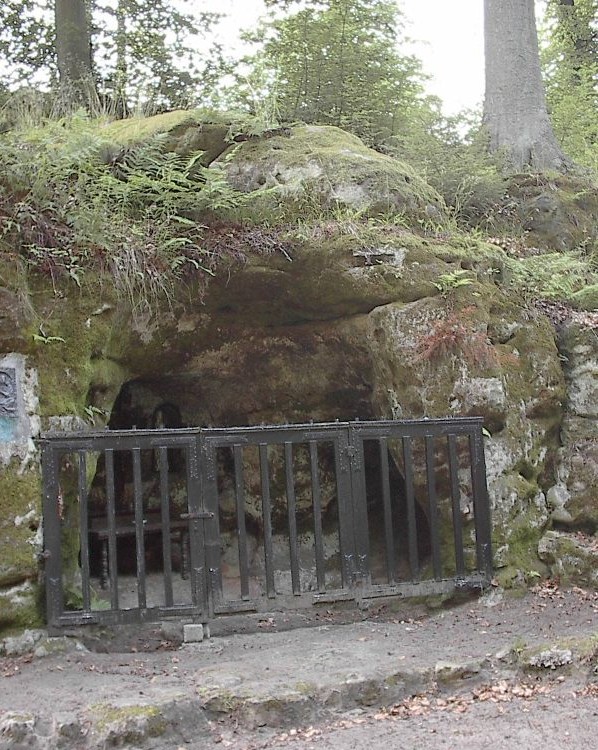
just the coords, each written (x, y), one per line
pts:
(67, 204)
(553, 275)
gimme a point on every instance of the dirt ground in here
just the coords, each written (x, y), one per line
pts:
(534, 715)
(405, 676)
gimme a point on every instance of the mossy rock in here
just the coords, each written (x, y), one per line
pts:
(81, 332)
(21, 607)
(340, 274)
(556, 212)
(315, 169)
(586, 299)
(127, 725)
(185, 132)
(21, 498)
(573, 558)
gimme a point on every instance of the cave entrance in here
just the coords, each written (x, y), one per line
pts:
(203, 522)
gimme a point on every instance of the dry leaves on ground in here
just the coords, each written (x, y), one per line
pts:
(500, 692)
(9, 667)
(548, 589)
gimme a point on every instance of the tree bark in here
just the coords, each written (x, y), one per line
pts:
(73, 51)
(515, 113)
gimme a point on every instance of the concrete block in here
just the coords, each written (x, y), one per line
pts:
(193, 633)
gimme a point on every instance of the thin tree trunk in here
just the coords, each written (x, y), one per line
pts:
(341, 93)
(73, 51)
(515, 114)
(121, 75)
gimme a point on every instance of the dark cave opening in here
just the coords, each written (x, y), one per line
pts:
(175, 403)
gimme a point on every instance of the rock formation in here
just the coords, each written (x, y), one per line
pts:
(351, 299)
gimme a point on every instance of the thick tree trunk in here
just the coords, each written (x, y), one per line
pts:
(515, 113)
(73, 51)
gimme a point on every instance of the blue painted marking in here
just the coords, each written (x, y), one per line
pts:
(8, 429)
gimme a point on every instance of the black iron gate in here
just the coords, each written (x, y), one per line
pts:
(202, 522)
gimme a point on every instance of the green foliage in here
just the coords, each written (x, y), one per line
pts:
(135, 62)
(67, 205)
(26, 39)
(449, 281)
(138, 60)
(570, 62)
(42, 338)
(73, 596)
(451, 153)
(552, 275)
(336, 63)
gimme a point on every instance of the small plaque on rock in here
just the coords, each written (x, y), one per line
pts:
(8, 392)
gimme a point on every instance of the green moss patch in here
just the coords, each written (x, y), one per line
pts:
(21, 499)
(314, 169)
(20, 608)
(587, 298)
(127, 725)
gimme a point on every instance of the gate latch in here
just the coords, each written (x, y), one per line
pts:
(197, 514)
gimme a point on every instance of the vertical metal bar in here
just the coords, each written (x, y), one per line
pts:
(267, 519)
(111, 522)
(411, 517)
(84, 532)
(52, 535)
(483, 525)
(292, 516)
(388, 527)
(345, 506)
(165, 518)
(204, 536)
(139, 531)
(360, 510)
(456, 504)
(316, 496)
(241, 527)
(433, 507)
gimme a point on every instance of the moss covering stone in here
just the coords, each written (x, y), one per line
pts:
(184, 132)
(127, 725)
(19, 522)
(314, 169)
(587, 298)
(572, 558)
(556, 211)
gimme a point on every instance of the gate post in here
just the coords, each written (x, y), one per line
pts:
(211, 526)
(362, 574)
(345, 507)
(483, 524)
(199, 587)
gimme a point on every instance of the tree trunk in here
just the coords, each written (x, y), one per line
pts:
(515, 113)
(121, 76)
(73, 51)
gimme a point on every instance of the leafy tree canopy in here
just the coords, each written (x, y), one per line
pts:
(139, 48)
(570, 59)
(337, 62)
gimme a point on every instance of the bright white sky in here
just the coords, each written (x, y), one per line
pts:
(450, 34)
